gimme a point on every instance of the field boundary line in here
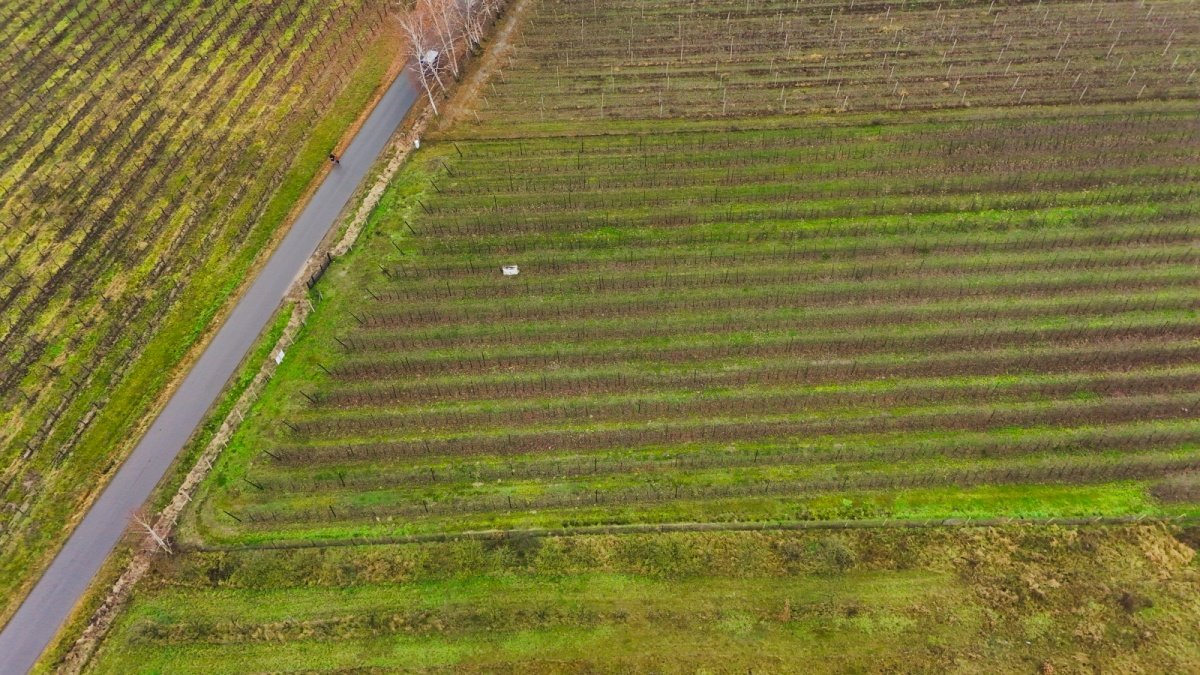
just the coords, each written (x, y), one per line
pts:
(660, 528)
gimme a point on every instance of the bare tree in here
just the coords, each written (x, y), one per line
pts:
(414, 30)
(447, 23)
(141, 519)
(474, 14)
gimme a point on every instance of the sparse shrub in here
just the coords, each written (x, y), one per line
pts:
(1133, 602)
(522, 546)
(833, 556)
(827, 555)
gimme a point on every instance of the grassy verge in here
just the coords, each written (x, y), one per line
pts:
(989, 600)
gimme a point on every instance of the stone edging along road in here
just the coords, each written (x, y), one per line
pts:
(54, 596)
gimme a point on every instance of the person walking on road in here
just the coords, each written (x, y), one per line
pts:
(334, 158)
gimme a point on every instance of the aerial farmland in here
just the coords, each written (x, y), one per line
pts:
(738, 307)
(715, 336)
(151, 153)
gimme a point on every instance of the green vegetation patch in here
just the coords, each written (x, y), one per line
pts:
(957, 599)
(795, 287)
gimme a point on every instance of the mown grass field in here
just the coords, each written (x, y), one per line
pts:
(151, 152)
(780, 263)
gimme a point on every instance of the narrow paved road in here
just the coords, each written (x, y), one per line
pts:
(47, 606)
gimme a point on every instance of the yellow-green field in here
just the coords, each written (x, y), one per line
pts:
(150, 154)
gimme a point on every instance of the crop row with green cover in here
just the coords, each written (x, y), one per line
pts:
(691, 326)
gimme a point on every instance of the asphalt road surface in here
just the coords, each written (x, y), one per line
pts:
(48, 605)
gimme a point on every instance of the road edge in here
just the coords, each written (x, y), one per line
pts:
(119, 593)
(338, 241)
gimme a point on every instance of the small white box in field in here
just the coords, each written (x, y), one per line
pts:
(510, 270)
